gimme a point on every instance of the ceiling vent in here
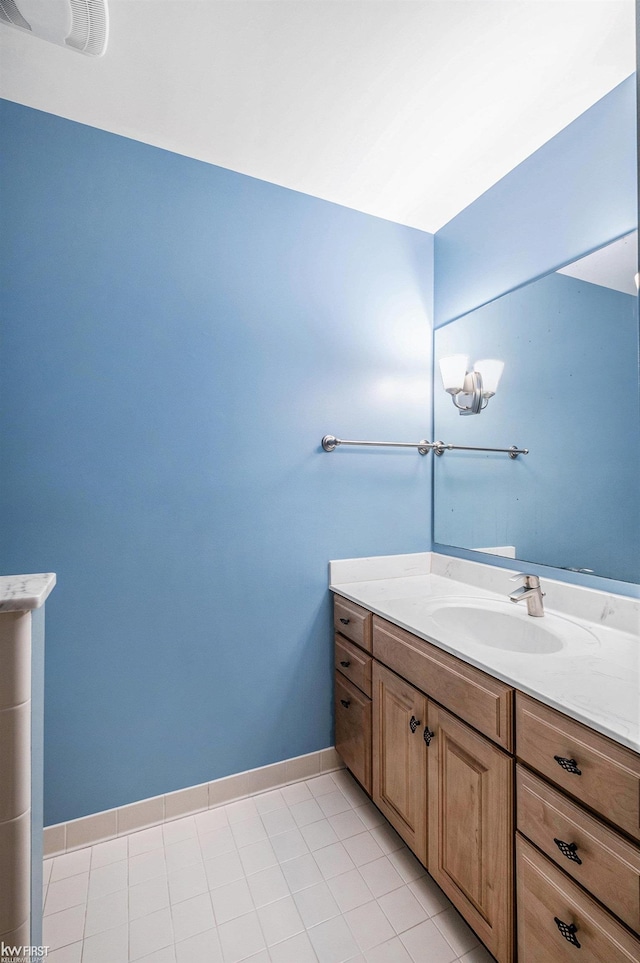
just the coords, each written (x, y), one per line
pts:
(82, 25)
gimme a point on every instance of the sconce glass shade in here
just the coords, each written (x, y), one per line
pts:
(490, 371)
(453, 371)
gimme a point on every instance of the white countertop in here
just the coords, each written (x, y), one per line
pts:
(597, 683)
(22, 593)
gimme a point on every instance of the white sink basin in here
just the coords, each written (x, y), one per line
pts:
(500, 625)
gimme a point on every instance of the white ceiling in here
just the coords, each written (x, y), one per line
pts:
(406, 109)
(613, 266)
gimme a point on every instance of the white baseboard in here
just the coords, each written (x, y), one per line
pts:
(89, 830)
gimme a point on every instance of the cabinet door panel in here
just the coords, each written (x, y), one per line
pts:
(353, 729)
(399, 757)
(471, 828)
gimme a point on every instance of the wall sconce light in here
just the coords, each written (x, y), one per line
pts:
(475, 386)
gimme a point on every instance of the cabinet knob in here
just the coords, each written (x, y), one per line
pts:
(414, 723)
(428, 735)
(346, 664)
(568, 764)
(346, 703)
(568, 930)
(569, 850)
(345, 621)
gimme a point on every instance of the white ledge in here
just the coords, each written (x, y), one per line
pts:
(22, 593)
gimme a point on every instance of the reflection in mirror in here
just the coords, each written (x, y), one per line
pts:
(569, 394)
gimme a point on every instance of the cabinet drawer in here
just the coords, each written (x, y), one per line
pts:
(609, 774)
(353, 621)
(545, 895)
(609, 865)
(482, 701)
(353, 730)
(353, 663)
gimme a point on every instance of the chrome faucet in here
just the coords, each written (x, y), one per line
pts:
(530, 591)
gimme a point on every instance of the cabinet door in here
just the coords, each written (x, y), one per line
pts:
(471, 828)
(399, 757)
(353, 729)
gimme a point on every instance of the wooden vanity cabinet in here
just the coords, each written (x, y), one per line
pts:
(433, 747)
(444, 786)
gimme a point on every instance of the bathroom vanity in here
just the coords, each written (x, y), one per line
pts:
(504, 749)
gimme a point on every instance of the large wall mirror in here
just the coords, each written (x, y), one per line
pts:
(569, 394)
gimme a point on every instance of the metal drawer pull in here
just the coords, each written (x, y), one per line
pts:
(568, 930)
(345, 664)
(346, 703)
(569, 850)
(414, 723)
(345, 621)
(428, 735)
(568, 764)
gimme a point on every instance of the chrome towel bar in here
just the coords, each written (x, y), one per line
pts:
(330, 442)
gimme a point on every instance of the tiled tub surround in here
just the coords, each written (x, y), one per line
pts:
(21, 707)
(598, 684)
(309, 873)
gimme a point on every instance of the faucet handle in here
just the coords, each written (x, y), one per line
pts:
(532, 581)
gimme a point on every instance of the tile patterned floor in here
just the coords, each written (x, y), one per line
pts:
(310, 873)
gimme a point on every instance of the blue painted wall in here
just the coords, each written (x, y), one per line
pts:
(571, 196)
(176, 340)
(573, 501)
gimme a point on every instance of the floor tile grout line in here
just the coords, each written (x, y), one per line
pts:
(354, 805)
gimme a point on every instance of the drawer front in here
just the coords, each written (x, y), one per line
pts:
(352, 621)
(353, 663)
(482, 701)
(353, 730)
(609, 865)
(545, 895)
(609, 774)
